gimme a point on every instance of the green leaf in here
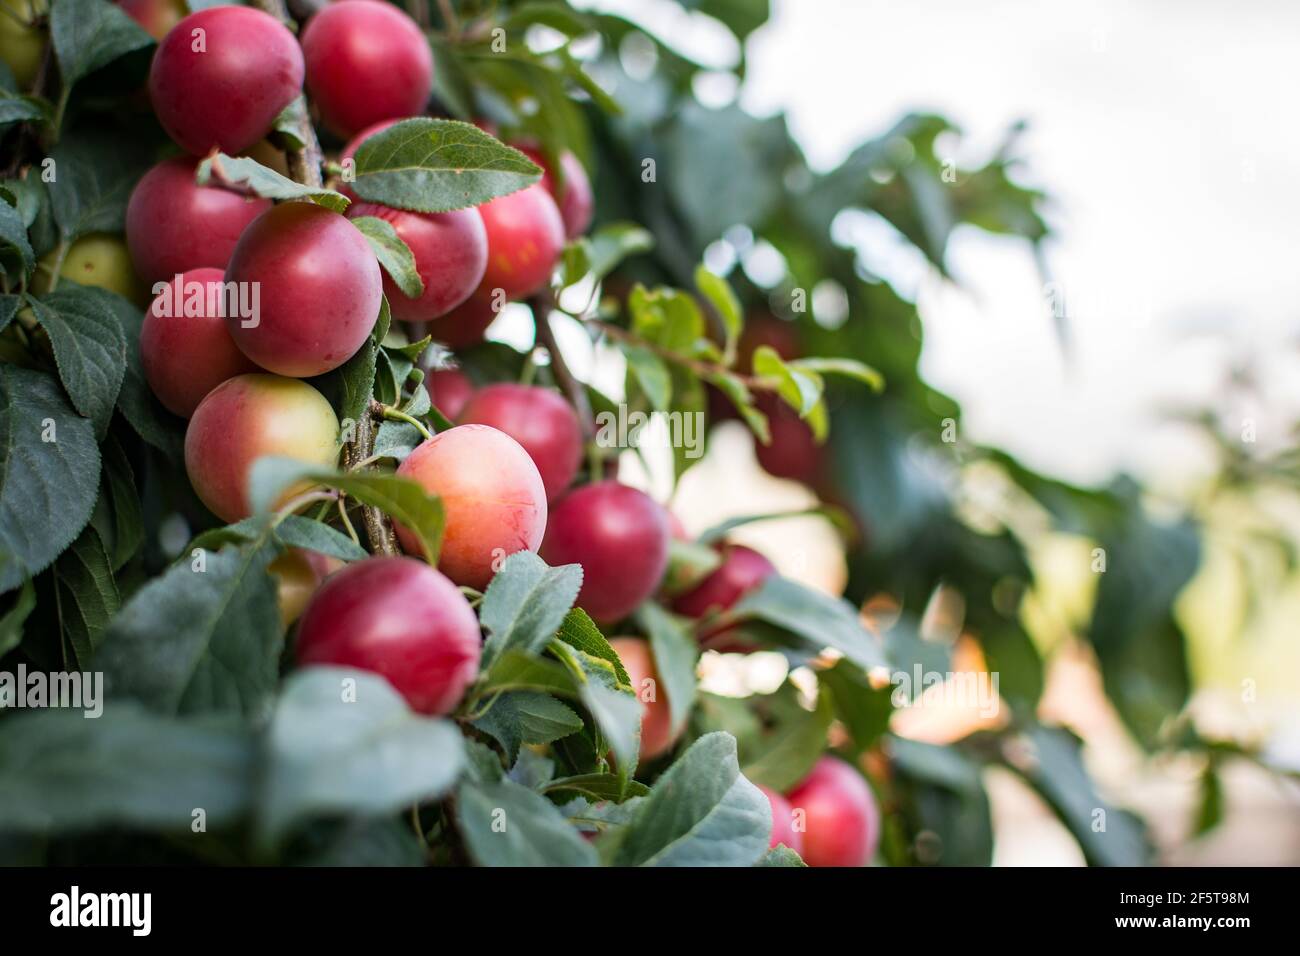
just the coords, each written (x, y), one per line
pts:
(1209, 812)
(789, 750)
(146, 415)
(294, 531)
(1049, 759)
(18, 109)
(597, 786)
(430, 165)
(575, 262)
(780, 855)
(49, 473)
(86, 594)
(817, 621)
(405, 500)
(393, 254)
(580, 631)
(204, 636)
(734, 387)
(118, 517)
(700, 812)
(16, 256)
(650, 373)
(675, 654)
(800, 388)
(287, 125)
(850, 368)
(12, 621)
(62, 773)
(90, 34)
(367, 841)
(89, 349)
(718, 291)
(526, 602)
(342, 741)
(864, 710)
(940, 790)
(350, 386)
(299, 532)
(667, 318)
(95, 171)
(527, 717)
(612, 243)
(396, 440)
(504, 824)
(251, 175)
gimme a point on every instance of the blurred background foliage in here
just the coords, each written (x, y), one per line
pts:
(935, 516)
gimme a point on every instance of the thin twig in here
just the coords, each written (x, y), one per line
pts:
(362, 447)
(577, 392)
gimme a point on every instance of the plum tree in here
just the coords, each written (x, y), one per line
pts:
(783, 828)
(494, 499)
(22, 42)
(742, 569)
(366, 61)
(620, 537)
(222, 76)
(657, 734)
(525, 236)
(450, 251)
(174, 225)
(157, 17)
(317, 285)
(398, 618)
(840, 815)
(298, 572)
(185, 346)
(449, 389)
(540, 420)
(575, 199)
(98, 259)
(245, 418)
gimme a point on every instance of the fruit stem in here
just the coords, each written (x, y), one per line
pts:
(396, 415)
(347, 522)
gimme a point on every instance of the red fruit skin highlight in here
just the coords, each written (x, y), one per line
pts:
(540, 420)
(401, 619)
(841, 816)
(366, 62)
(221, 76)
(174, 225)
(620, 537)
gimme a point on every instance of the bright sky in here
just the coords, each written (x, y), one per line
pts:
(1166, 132)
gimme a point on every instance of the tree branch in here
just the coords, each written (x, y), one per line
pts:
(355, 453)
(304, 164)
(577, 392)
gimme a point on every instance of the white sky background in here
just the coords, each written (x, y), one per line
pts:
(1168, 134)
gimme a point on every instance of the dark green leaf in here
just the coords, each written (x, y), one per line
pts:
(60, 772)
(393, 254)
(701, 812)
(527, 717)
(49, 473)
(86, 593)
(89, 348)
(526, 602)
(430, 165)
(817, 620)
(204, 636)
(90, 34)
(343, 741)
(504, 824)
(675, 655)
